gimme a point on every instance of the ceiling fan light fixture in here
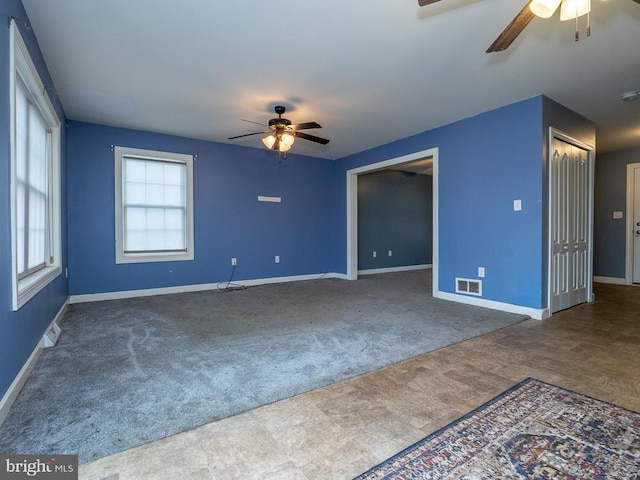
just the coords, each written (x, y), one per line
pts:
(574, 8)
(287, 139)
(544, 8)
(268, 141)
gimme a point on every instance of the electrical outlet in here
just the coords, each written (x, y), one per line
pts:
(277, 259)
(234, 261)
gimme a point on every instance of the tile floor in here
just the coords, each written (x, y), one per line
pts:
(341, 430)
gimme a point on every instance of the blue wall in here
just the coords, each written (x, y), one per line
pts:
(228, 219)
(485, 162)
(395, 211)
(21, 330)
(610, 195)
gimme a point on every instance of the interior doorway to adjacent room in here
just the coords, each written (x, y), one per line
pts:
(352, 208)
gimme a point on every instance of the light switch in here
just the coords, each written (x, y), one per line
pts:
(517, 205)
(617, 215)
(481, 272)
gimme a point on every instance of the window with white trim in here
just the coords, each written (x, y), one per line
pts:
(35, 178)
(154, 206)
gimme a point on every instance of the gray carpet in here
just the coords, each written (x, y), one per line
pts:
(127, 372)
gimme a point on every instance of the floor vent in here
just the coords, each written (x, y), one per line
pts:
(469, 286)
(51, 335)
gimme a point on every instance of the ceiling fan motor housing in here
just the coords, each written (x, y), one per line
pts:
(279, 121)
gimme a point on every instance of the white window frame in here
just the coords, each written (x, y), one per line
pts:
(21, 67)
(120, 153)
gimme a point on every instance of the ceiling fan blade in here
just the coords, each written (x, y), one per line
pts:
(512, 31)
(247, 135)
(422, 3)
(637, 1)
(305, 126)
(313, 138)
(257, 123)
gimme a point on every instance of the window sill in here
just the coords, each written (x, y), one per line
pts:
(155, 257)
(30, 286)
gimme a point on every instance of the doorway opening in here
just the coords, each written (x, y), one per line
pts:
(352, 208)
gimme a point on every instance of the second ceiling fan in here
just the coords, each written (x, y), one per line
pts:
(569, 9)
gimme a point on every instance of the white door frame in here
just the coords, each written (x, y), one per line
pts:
(629, 243)
(557, 134)
(352, 209)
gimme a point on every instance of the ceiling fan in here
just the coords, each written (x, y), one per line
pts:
(282, 132)
(570, 9)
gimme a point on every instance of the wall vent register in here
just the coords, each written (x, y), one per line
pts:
(469, 286)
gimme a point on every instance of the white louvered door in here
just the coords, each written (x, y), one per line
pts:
(570, 234)
(636, 225)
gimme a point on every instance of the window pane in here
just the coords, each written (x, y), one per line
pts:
(37, 229)
(173, 174)
(174, 218)
(155, 219)
(22, 134)
(154, 203)
(136, 241)
(20, 226)
(135, 218)
(37, 151)
(175, 240)
(135, 193)
(174, 196)
(135, 170)
(155, 172)
(155, 194)
(31, 184)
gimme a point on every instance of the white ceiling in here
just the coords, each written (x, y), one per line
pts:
(369, 71)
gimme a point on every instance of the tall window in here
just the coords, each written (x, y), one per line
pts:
(154, 213)
(35, 178)
(32, 153)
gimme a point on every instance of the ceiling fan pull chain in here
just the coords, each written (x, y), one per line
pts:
(589, 20)
(577, 26)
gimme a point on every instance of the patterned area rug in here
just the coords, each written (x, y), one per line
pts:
(533, 430)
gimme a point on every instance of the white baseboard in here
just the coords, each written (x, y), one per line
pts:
(613, 280)
(536, 313)
(18, 382)
(406, 268)
(97, 297)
